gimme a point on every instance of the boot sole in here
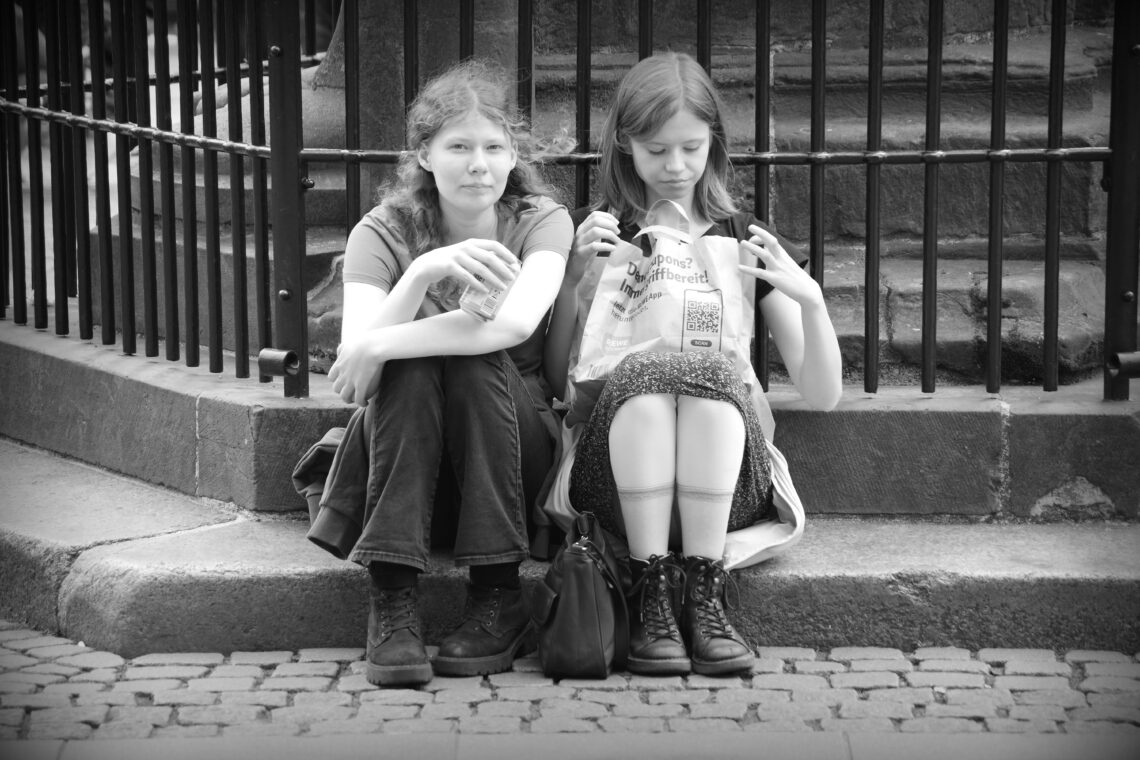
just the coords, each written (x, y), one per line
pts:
(672, 667)
(398, 675)
(724, 667)
(482, 666)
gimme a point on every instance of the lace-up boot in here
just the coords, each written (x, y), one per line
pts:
(396, 654)
(655, 644)
(496, 625)
(714, 645)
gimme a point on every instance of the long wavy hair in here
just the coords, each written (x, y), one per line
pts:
(472, 86)
(651, 93)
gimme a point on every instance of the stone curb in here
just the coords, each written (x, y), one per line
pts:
(141, 569)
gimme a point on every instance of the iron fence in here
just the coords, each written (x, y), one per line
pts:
(227, 49)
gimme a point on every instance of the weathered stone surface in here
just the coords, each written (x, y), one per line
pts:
(38, 544)
(912, 445)
(1091, 470)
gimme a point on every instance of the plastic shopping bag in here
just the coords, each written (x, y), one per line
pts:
(683, 294)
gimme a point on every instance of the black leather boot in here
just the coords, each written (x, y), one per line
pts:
(496, 626)
(655, 643)
(714, 645)
(396, 654)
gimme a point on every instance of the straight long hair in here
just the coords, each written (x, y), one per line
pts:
(652, 92)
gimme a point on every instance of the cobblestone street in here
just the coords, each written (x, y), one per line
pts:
(54, 688)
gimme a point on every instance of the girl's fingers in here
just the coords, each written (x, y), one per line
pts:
(757, 272)
(759, 251)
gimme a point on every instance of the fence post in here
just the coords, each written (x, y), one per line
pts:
(287, 207)
(1122, 249)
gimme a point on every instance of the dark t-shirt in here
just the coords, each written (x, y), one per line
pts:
(734, 227)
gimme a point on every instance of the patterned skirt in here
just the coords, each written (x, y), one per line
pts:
(703, 375)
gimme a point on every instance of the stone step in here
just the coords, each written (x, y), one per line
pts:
(966, 71)
(956, 453)
(734, 23)
(961, 313)
(140, 569)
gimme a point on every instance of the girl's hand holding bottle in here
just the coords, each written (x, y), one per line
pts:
(780, 270)
(598, 232)
(482, 264)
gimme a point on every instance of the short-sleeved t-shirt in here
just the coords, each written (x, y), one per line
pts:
(381, 257)
(734, 227)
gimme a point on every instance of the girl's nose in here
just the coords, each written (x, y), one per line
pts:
(674, 161)
(478, 163)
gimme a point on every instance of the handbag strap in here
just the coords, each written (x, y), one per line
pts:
(587, 528)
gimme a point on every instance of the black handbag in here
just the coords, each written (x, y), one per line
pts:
(579, 608)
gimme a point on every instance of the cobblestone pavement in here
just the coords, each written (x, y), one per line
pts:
(55, 688)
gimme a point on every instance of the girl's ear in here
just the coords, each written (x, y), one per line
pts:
(422, 157)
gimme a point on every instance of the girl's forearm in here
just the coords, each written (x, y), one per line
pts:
(821, 372)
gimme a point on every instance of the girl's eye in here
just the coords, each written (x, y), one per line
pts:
(458, 146)
(657, 151)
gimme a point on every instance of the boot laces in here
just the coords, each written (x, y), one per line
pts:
(654, 597)
(710, 592)
(482, 605)
(398, 610)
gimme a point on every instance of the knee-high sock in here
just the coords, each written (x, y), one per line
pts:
(710, 447)
(643, 456)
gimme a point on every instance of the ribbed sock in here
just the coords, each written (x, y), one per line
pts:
(504, 575)
(390, 575)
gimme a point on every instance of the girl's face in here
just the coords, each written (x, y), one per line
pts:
(672, 160)
(471, 158)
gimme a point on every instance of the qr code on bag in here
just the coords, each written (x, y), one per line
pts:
(702, 317)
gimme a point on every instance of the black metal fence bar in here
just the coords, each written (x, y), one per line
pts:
(233, 15)
(1122, 267)
(526, 58)
(146, 179)
(78, 176)
(582, 102)
(704, 34)
(11, 201)
(1053, 192)
(930, 208)
(97, 27)
(466, 28)
(210, 184)
(288, 208)
(5, 255)
(188, 61)
(762, 133)
(644, 29)
(35, 174)
(997, 197)
(164, 122)
(5, 140)
(818, 137)
(57, 162)
(351, 30)
(411, 51)
(119, 59)
(259, 180)
(873, 200)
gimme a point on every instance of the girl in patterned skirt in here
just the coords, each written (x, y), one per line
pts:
(674, 454)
